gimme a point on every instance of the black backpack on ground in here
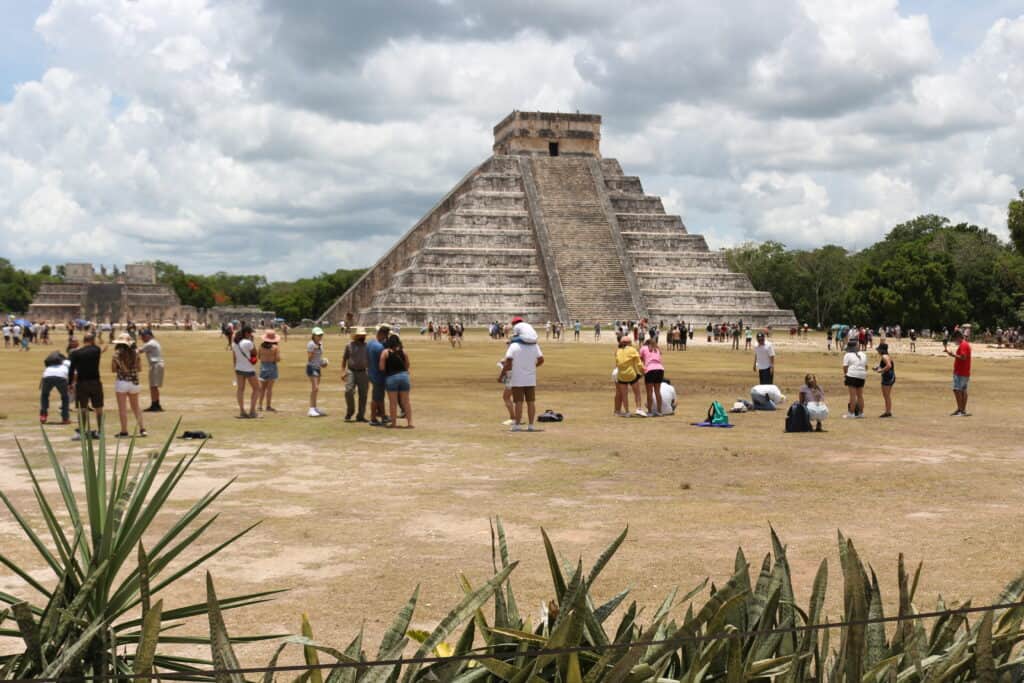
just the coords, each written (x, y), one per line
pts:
(797, 419)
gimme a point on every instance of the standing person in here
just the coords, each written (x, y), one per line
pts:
(55, 376)
(735, 338)
(154, 355)
(84, 378)
(394, 363)
(813, 399)
(764, 360)
(315, 362)
(378, 416)
(576, 327)
(16, 334)
(7, 335)
(913, 340)
(597, 331)
(654, 374)
(520, 364)
(961, 372)
(887, 368)
(828, 339)
(284, 331)
(630, 369)
(506, 394)
(855, 372)
(244, 354)
(749, 335)
(125, 366)
(269, 356)
(355, 365)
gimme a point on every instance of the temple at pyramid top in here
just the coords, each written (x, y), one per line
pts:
(548, 229)
(542, 133)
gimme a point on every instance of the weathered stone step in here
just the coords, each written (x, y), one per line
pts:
(627, 184)
(501, 201)
(503, 220)
(650, 222)
(655, 241)
(637, 204)
(728, 297)
(610, 167)
(503, 164)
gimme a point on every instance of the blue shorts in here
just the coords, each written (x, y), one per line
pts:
(312, 370)
(377, 389)
(960, 382)
(398, 382)
(268, 371)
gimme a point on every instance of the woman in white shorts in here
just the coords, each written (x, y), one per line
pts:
(125, 366)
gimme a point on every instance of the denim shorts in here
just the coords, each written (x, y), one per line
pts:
(312, 370)
(960, 382)
(268, 371)
(398, 382)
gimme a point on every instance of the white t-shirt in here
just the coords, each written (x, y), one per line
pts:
(7, 330)
(763, 355)
(769, 391)
(243, 351)
(16, 331)
(668, 399)
(524, 364)
(60, 370)
(856, 365)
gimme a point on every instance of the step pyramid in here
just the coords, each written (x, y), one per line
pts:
(547, 229)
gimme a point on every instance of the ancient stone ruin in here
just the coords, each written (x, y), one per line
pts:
(132, 295)
(547, 229)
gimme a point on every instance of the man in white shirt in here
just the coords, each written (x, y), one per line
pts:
(520, 364)
(764, 360)
(766, 396)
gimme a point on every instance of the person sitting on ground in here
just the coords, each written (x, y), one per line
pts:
(630, 369)
(766, 396)
(813, 399)
(668, 398)
(855, 372)
(887, 369)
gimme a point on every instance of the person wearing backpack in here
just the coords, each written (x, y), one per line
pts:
(55, 376)
(855, 372)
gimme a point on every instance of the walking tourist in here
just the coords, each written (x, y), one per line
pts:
(654, 374)
(84, 377)
(961, 372)
(394, 363)
(55, 376)
(154, 356)
(269, 355)
(315, 362)
(355, 365)
(125, 366)
(855, 372)
(813, 399)
(520, 364)
(764, 360)
(887, 369)
(244, 354)
(629, 369)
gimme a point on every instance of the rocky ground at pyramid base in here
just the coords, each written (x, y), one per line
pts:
(355, 517)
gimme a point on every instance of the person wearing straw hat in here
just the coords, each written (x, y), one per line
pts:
(269, 355)
(125, 366)
(315, 363)
(355, 375)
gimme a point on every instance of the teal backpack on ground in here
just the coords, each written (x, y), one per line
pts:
(717, 414)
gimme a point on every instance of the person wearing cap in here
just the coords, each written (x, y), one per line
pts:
(125, 366)
(154, 355)
(764, 360)
(520, 364)
(961, 372)
(355, 365)
(887, 369)
(269, 355)
(315, 362)
(378, 417)
(855, 372)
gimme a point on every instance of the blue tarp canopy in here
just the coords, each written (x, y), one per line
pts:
(22, 322)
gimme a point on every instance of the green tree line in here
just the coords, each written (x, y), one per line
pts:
(925, 273)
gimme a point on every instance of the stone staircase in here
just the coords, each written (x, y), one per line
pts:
(585, 255)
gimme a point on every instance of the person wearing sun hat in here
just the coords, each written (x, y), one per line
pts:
(125, 366)
(355, 375)
(315, 362)
(520, 364)
(269, 355)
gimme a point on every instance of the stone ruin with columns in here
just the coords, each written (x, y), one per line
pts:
(548, 229)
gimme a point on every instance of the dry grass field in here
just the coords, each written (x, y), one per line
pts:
(354, 517)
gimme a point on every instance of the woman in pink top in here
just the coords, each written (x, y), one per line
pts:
(654, 373)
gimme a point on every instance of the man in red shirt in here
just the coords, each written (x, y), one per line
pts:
(961, 372)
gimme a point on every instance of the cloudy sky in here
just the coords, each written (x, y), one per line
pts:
(288, 138)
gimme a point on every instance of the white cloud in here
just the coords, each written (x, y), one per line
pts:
(293, 138)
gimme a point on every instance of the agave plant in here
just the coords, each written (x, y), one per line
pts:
(100, 602)
(741, 631)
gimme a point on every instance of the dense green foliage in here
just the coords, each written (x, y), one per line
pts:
(17, 287)
(105, 590)
(926, 273)
(1015, 222)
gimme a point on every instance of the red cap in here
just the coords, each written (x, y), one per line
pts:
(516, 319)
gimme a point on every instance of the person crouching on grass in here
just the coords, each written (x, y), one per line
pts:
(630, 370)
(125, 366)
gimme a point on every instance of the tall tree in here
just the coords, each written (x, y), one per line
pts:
(1015, 221)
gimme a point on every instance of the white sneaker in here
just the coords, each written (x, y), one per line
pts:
(508, 422)
(312, 412)
(846, 416)
(531, 428)
(640, 413)
(514, 428)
